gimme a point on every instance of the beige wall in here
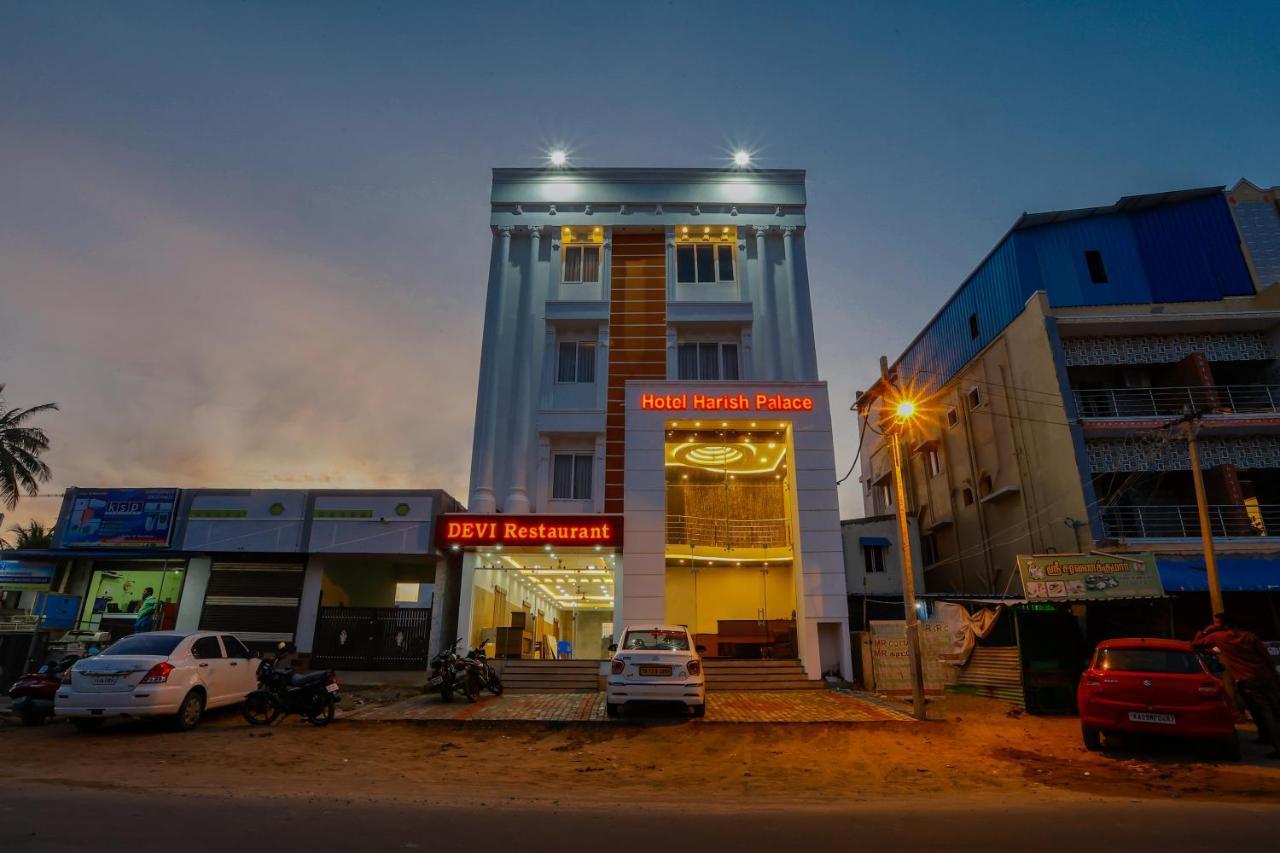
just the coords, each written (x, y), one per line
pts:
(726, 593)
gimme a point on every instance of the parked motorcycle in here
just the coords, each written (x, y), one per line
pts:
(489, 679)
(33, 693)
(451, 673)
(281, 691)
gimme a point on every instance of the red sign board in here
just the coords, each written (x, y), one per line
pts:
(686, 401)
(482, 530)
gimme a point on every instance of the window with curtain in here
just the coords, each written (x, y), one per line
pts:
(707, 360)
(705, 263)
(571, 476)
(581, 265)
(576, 361)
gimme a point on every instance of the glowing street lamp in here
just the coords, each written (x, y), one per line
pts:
(742, 158)
(558, 157)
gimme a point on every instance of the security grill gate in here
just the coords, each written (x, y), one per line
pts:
(371, 638)
(258, 602)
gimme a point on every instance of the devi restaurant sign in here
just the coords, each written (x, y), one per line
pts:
(557, 530)
(1089, 577)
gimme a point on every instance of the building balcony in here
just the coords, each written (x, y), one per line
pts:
(1172, 402)
(727, 534)
(1179, 521)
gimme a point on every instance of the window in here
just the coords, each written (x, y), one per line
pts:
(884, 495)
(929, 548)
(966, 496)
(407, 593)
(160, 645)
(953, 417)
(932, 460)
(973, 326)
(581, 265)
(577, 362)
(975, 397)
(984, 485)
(705, 263)
(1148, 660)
(235, 648)
(873, 556)
(206, 648)
(1097, 269)
(571, 476)
(707, 361)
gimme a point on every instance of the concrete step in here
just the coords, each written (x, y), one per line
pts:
(738, 663)
(763, 677)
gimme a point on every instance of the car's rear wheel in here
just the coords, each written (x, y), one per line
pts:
(613, 709)
(1092, 738)
(189, 712)
(699, 710)
(87, 724)
(31, 716)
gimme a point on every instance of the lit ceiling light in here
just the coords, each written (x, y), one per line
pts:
(558, 156)
(741, 158)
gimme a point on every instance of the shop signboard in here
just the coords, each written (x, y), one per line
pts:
(890, 665)
(23, 575)
(1089, 577)
(120, 518)
(561, 531)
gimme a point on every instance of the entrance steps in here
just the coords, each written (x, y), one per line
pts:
(732, 674)
(549, 676)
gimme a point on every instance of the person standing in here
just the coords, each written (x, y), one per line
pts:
(1246, 658)
(146, 612)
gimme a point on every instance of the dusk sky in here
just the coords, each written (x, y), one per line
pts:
(246, 244)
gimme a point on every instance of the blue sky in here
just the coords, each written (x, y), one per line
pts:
(246, 243)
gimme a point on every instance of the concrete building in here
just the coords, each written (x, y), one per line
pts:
(648, 366)
(1049, 378)
(873, 567)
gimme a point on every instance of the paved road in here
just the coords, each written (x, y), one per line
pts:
(56, 818)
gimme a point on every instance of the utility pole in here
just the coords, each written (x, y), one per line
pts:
(1192, 422)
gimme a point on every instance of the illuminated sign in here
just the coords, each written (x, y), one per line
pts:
(558, 530)
(726, 402)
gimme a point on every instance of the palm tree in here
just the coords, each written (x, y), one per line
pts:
(21, 469)
(34, 535)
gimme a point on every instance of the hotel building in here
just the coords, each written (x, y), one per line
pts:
(652, 443)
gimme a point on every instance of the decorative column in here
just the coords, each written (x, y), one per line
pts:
(766, 312)
(522, 374)
(793, 301)
(482, 496)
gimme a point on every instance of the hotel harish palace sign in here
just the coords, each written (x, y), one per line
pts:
(466, 529)
(726, 402)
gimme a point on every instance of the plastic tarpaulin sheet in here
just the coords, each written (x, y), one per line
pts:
(964, 628)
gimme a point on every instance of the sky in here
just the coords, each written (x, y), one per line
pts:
(246, 244)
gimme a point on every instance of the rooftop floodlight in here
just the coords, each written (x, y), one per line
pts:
(741, 158)
(558, 156)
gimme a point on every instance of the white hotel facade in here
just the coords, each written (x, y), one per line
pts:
(651, 434)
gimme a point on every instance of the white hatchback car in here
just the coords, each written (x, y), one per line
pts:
(160, 674)
(656, 663)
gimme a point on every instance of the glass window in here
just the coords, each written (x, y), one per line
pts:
(725, 261)
(873, 556)
(582, 477)
(235, 648)
(656, 641)
(686, 267)
(1149, 660)
(206, 648)
(576, 361)
(933, 461)
(590, 264)
(159, 645)
(572, 264)
(566, 370)
(407, 593)
(729, 359)
(571, 476)
(706, 264)
(687, 361)
(708, 361)
(586, 361)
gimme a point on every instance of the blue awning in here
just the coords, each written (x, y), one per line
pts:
(1235, 574)
(873, 542)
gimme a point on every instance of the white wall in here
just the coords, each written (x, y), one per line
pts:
(888, 582)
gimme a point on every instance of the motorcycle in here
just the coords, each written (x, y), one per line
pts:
(281, 691)
(33, 693)
(452, 673)
(489, 679)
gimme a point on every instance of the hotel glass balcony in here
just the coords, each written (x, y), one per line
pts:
(1174, 401)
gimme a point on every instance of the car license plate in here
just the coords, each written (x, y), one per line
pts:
(437, 681)
(655, 670)
(332, 688)
(1143, 717)
(104, 679)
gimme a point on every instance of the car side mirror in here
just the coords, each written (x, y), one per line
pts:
(702, 650)
(613, 647)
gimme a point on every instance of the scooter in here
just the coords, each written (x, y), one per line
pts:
(33, 693)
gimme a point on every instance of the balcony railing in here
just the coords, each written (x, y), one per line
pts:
(1177, 521)
(695, 531)
(1172, 401)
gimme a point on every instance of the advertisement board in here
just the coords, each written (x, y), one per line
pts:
(23, 575)
(891, 666)
(1089, 577)
(120, 518)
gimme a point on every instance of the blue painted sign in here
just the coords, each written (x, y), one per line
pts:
(56, 611)
(20, 574)
(120, 518)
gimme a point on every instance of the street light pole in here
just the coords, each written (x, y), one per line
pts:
(908, 581)
(1202, 509)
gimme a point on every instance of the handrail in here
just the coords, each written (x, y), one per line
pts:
(728, 532)
(1171, 401)
(1174, 521)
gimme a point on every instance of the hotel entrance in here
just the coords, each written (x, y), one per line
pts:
(729, 537)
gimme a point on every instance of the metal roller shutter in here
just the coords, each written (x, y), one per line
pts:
(258, 602)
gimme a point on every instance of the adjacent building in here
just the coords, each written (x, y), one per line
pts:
(1049, 379)
(652, 441)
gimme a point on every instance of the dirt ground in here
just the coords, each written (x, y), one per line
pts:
(972, 747)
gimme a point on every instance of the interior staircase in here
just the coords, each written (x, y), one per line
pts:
(550, 676)
(730, 674)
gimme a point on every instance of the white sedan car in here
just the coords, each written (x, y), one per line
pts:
(656, 663)
(160, 674)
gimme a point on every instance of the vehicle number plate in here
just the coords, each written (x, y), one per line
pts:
(437, 681)
(655, 670)
(332, 688)
(1143, 717)
(104, 679)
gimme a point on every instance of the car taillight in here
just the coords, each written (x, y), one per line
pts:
(694, 667)
(158, 674)
(331, 679)
(1210, 690)
(617, 667)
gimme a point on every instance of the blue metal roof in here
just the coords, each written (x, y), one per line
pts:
(1235, 574)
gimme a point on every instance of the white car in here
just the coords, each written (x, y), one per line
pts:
(160, 674)
(656, 663)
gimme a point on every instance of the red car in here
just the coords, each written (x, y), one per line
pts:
(1152, 686)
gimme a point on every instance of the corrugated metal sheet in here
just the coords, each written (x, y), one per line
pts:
(994, 671)
(1191, 251)
(1059, 252)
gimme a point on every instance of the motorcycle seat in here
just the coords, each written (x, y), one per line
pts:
(300, 679)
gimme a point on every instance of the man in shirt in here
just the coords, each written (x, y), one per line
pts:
(146, 612)
(1249, 663)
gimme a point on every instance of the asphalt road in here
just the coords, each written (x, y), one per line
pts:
(57, 817)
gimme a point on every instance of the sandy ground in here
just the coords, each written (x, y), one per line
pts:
(975, 747)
